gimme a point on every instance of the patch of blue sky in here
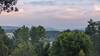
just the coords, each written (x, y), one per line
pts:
(97, 2)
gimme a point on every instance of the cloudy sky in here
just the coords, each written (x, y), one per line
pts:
(59, 14)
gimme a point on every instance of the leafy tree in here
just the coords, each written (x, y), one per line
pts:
(23, 45)
(46, 49)
(41, 35)
(37, 45)
(5, 44)
(22, 34)
(8, 5)
(91, 30)
(24, 49)
(37, 33)
(33, 34)
(71, 44)
(41, 32)
(38, 38)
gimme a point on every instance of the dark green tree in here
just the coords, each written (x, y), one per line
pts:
(37, 33)
(22, 34)
(41, 32)
(90, 29)
(38, 38)
(24, 49)
(46, 48)
(33, 34)
(71, 44)
(93, 29)
(5, 44)
(23, 45)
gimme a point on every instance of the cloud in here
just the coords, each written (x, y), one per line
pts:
(61, 2)
(58, 13)
(97, 7)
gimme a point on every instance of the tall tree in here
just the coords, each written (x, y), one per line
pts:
(41, 32)
(23, 45)
(90, 29)
(22, 34)
(38, 38)
(5, 46)
(93, 29)
(37, 33)
(33, 34)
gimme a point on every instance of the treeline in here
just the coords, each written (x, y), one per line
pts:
(93, 29)
(34, 42)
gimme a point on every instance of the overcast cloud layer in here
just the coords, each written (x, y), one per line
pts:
(60, 14)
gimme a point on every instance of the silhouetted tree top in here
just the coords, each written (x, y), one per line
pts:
(11, 2)
(8, 5)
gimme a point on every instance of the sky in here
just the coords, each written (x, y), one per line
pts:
(58, 14)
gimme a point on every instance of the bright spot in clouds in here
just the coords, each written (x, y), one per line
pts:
(97, 7)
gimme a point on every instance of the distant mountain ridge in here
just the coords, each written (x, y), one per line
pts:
(10, 28)
(51, 29)
(50, 32)
(13, 28)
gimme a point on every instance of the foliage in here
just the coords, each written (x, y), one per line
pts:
(38, 38)
(90, 29)
(22, 34)
(34, 42)
(81, 53)
(23, 45)
(33, 34)
(70, 44)
(8, 5)
(5, 43)
(37, 33)
(93, 29)
(24, 49)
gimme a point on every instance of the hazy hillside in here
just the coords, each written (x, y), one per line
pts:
(52, 35)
